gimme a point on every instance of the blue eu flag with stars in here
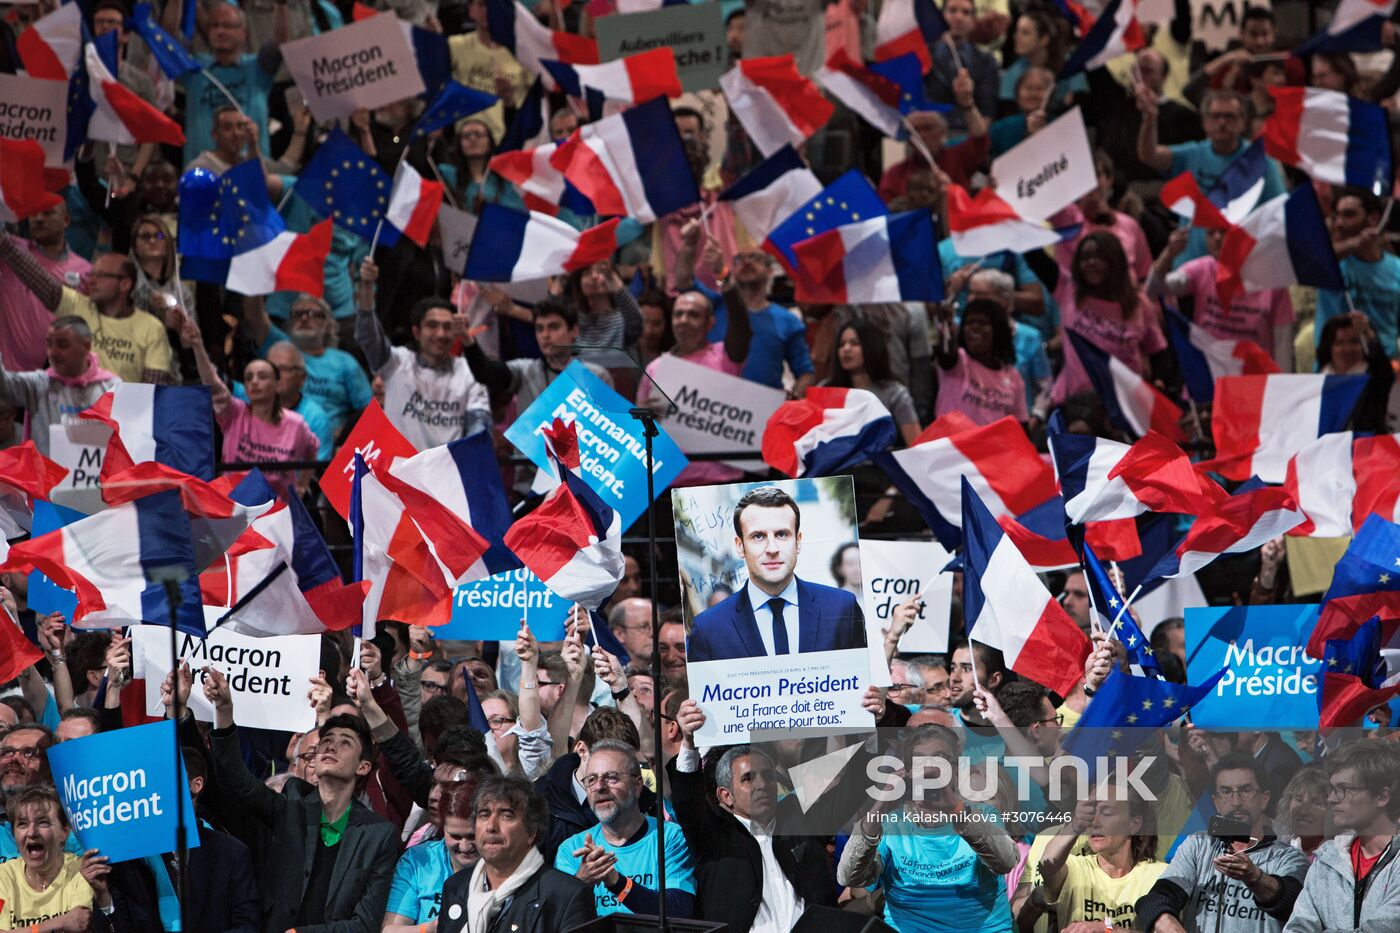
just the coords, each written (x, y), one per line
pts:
(222, 216)
(344, 184)
(172, 57)
(456, 102)
(846, 200)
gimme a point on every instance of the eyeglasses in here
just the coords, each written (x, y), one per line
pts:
(1235, 793)
(429, 687)
(496, 722)
(1343, 791)
(151, 236)
(28, 754)
(1058, 719)
(546, 683)
(612, 778)
(473, 134)
(306, 757)
(311, 314)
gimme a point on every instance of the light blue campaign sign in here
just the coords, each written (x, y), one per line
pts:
(46, 596)
(612, 450)
(492, 609)
(1270, 682)
(120, 791)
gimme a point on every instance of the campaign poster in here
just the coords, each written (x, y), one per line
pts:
(268, 677)
(694, 31)
(612, 448)
(365, 65)
(715, 412)
(120, 791)
(492, 609)
(776, 640)
(896, 571)
(1270, 681)
(1048, 171)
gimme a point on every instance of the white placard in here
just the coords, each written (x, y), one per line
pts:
(1215, 22)
(892, 572)
(37, 109)
(457, 228)
(79, 446)
(717, 412)
(1049, 170)
(269, 677)
(364, 65)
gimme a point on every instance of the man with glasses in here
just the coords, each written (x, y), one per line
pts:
(291, 379)
(630, 621)
(1226, 118)
(1255, 878)
(73, 382)
(25, 317)
(1354, 882)
(130, 343)
(618, 856)
(1370, 271)
(24, 763)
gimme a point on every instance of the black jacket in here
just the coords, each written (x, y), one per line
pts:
(566, 815)
(550, 902)
(728, 865)
(364, 865)
(220, 895)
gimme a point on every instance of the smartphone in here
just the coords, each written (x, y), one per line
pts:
(1227, 829)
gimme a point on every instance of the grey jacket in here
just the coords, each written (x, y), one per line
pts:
(1190, 888)
(1330, 899)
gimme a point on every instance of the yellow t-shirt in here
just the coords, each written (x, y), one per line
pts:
(128, 346)
(25, 907)
(1090, 894)
(476, 66)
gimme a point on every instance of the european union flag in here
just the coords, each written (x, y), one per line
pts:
(222, 215)
(1365, 583)
(344, 184)
(456, 102)
(80, 105)
(846, 200)
(1126, 704)
(172, 57)
(434, 61)
(1107, 603)
(907, 73)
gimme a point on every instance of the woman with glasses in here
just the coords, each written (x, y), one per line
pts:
(464, 170)
(416, 892)
(153, 251)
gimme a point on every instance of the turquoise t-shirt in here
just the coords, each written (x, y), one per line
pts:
(246, 81)
(416, 891)
(337, 383)
(1375, 287)
(977, 745)
(1014, 265)
(1207, 165)
(934, 881)
(636, 861)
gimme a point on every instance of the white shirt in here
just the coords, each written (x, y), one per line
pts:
(763, 615)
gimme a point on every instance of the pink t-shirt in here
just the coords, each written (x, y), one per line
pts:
(250, 439)
(26, 321)
(1101, 323)
(983, 394)
(1127, 230)
(1252, 316)
(700, 472)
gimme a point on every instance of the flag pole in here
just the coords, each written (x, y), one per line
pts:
(446, 188)
(220, 85)
(1126, 603)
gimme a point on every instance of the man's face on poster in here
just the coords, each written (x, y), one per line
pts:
(769, 544)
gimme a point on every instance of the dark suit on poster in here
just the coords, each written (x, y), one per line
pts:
(828, 619)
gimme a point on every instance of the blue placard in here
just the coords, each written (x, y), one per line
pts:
(492, 609)
(1270, 682)
(611, 446)
(46, 596)
(120, 791)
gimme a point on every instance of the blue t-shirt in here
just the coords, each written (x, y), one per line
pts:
(1375, 288)
(934, 881)
(337, 383)
(1202, 161)
(246, 81)
(978, 745)
(1031, 360)
(416, 891)
(636, 861)
(779, 336)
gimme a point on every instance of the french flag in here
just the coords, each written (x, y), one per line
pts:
(1355, 26)
(1043, 537)
(22, 188)
(25, 475)
(1259, 422)
(573, 540)
(1115, 33)
(513, 247)
(776, 104)
(881, 93)
(1320, 478)
(377, 441)
(999, 460)
(289, 262)
(884, 259)
(120, 115)
(413, 204)
(634, 79)
(631, 164)
(170, 425)
(542, 186)
(51, 47)
(1204, 358)
(1102, 479)
(906, 26)
(531, 42)
(986, 224)
(1376, 466)
(771, 192)
(1238, 189)
(1183, 197)
(1251, 517)
(828, 431)
(1133, 404)
(1336, 139)
(1014, 612)
(1284, 242)
(104, 559)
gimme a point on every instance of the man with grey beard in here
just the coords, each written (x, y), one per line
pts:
(618, 857)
